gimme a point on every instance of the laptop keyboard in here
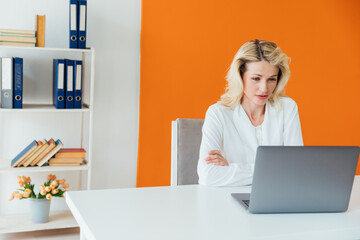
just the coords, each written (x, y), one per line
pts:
(247, 202)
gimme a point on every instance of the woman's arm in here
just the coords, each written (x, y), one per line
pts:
(209, 173)
(292, 127)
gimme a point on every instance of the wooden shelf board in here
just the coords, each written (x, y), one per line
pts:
(22, 222)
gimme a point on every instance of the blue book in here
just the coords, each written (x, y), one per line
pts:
(59, 83)
(82, 12)
(73, 24)
(18, 82)
(23, 154)
(69, 82)
(77, 84)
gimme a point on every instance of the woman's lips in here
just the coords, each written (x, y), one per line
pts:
(262, 96)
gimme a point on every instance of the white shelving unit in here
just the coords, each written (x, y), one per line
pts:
(37, 108)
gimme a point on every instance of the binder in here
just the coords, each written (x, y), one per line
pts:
(82, 11)
(77, 84)
(23, 154)
(7, 83)
(73, 24)
(69, 103)
(59, 84)
(18, 82)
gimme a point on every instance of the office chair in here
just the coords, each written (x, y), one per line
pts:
(185, 144)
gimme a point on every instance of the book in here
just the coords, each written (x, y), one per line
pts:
(17, 34)
(51, 153)
(66, 160)
(40, 30)
(63, 164)
(43, 146)
(18, 39)
(15, 31)
(50, 146)
(38, 144)
(71, 153)
(22, 44)
(23, 154)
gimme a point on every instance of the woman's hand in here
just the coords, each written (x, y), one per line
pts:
(216, 158)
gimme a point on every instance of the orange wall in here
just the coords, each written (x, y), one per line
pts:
(187, 47)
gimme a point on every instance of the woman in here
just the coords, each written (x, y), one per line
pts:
(252, 112)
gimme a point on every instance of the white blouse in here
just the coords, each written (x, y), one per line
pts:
(231, 132)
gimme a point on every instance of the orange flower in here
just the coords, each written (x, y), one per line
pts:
(43, 192)
(23, 178)
(26, 195)
(11, 198)
(54, 191)
(62, 181)
(48, 189)
(18, 178)
(55, 183)
(48, 196)
(66, 185)
(18, 195)
(21, 184)
(42, 187)
(28, 190)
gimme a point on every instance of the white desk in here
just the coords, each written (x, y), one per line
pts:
(199, 212)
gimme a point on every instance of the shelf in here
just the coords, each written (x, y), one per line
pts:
(43, 169)
(43, 108)
(48, 49)
(22, 222)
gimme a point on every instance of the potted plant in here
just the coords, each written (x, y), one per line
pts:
(40, 203)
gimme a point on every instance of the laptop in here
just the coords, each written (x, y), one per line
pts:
(301, 179)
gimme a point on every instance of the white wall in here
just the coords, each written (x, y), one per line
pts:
(114, 31)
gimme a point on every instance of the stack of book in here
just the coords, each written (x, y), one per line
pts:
(68, 157)
(37, 153)
(17, 37)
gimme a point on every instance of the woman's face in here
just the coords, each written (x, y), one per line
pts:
(260, 80)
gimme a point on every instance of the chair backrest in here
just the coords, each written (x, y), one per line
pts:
(185, 144)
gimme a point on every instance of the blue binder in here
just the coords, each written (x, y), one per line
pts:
(59, 83)
(77, 84)
(82, 10)
(69, 93)
(18, 82)
(73, 24)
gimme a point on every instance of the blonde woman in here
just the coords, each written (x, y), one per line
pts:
(252, 112)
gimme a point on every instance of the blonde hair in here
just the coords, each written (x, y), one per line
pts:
(253, 51)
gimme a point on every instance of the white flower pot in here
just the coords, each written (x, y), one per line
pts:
(40, 209)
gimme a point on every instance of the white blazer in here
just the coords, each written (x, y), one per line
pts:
(231, 132)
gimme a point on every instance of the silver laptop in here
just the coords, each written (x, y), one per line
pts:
(301, 179)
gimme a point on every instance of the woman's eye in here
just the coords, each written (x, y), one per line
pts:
(272, 79)
(256, 79)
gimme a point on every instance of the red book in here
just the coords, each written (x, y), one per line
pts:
(71, 153)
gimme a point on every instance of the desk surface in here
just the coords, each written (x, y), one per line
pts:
(199, 212)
